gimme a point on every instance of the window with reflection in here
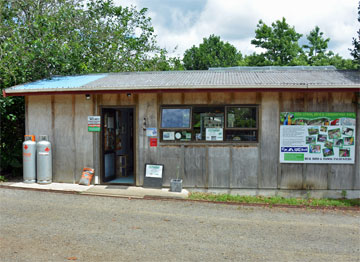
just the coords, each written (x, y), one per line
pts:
(218, 123)
(175, 118)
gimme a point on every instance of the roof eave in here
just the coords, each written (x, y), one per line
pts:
(193, 88)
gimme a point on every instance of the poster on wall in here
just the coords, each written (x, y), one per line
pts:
(94, 123)
(168, 135)
(153, 170)
(214, 134)
(317, 137)
(151, 131)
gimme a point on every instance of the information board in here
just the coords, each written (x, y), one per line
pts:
(214, 134)
(153, 175)
(94, 123)
(317, 137)
(151, 131)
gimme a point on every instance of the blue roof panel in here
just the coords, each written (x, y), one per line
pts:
(62, 82)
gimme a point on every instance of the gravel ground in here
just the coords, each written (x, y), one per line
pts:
(41, 226)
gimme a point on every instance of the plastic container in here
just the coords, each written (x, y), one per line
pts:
(176, 185)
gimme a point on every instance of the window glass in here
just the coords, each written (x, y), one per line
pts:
(208, 123)
(205, 123)
(241, 135)
(175, 118)
(241, 117)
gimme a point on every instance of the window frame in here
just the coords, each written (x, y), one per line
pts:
(225, 128)
(176, 107)
(242, 128)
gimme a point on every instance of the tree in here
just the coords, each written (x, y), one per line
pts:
(340, 63)
(280, 42)
(42, 38)
(256, 60)
(211, 53)
(356, 43)
(316, 49)
(63, 37)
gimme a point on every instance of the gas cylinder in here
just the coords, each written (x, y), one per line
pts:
(44, 160)
(29, 159)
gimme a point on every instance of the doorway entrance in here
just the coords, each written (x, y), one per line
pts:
(118, 146)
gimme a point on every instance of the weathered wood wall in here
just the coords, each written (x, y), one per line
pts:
(247, 166)
(64, 119)
(234, 166)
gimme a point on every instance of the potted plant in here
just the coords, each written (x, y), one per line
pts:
(176, 184)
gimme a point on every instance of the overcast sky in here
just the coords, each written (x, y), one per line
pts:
(184, 23)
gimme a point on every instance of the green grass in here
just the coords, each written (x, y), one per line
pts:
(275, 200)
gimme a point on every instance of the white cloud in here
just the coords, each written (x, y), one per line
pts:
(186, 23)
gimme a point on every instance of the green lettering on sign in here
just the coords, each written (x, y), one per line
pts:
(93, 128)
(293, 157)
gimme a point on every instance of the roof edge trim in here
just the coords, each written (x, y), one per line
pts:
(180, 90)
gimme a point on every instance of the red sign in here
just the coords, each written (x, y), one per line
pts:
(26, 147)
(47, 149)
(153, 142)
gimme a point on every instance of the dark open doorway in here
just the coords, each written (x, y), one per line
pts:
(118, 146)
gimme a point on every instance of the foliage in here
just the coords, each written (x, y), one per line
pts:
(341, 63)
(211, 53)
(356, 43)
(42, 38)
(161, 62)
(12, 131)
(275, 200)
(316, 53)
(280, 42)
(42, 41)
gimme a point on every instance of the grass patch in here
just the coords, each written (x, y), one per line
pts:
(275, 200)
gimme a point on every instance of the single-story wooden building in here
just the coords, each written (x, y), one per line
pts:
(269, 129)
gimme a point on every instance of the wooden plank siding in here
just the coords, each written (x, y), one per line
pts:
(291, 175)
(343, 176)
(204, 165)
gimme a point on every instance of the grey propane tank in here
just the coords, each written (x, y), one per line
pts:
(29, 159)
(44, 160)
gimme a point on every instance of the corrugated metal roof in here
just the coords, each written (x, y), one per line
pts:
(61, 82)
(233, 78)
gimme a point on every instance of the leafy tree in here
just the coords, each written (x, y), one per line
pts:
(213, 52)
(280, 42)
(340, 63)
(356, 43)
(256, 60)
(41, 38)
(161, 62)
(12, 130)
(316, 49)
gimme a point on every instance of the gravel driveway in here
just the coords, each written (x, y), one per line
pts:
(41, 226)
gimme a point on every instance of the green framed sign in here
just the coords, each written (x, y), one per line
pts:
(94, 123)
(317, 137)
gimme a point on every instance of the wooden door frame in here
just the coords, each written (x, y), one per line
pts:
(102, 164)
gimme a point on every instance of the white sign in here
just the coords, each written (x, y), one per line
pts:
(151, 131)
(327, 138)
(168, 135)
(94, 123)
(93, 120)
(214, 134)
(154, 171)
